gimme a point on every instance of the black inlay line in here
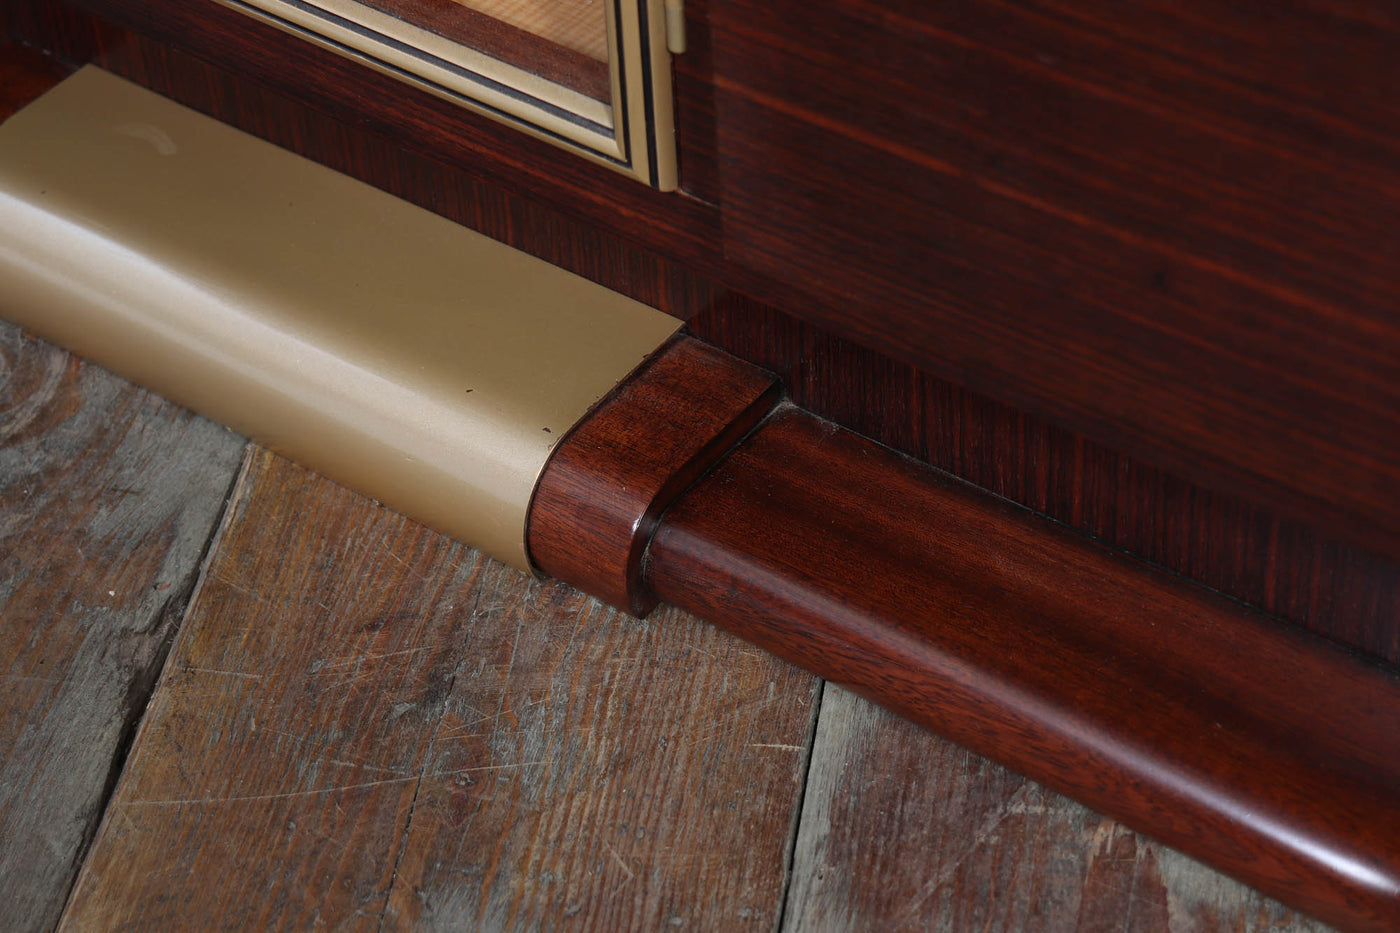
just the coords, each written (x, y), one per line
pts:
(653, 175)
(457, 70)
(621, 112)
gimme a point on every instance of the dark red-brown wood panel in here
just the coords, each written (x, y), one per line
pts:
(1280, 565)
(597, 503)
(1177, 250)
(1250, 745)
(667, 251)
(1174, 227)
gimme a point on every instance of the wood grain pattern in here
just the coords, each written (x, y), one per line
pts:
(438, 174)
(1284, 567)
(24, 75)
(424, 126)
(1251, 745)
(1239, 544)
(535, 53)
(420, 174)
(108, 496)
(598, 499)
(580, 25)
(1147, 222)
(1107, 239)
(903, 831)
(363, 724)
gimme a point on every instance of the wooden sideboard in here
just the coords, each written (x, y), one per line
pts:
(1130, 266)
(1125, 265)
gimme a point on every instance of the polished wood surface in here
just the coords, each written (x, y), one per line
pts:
(602, 852)
(25, 73)
(598, 500)
(1169, 226)
(411, 122)
(1285, 567)
(1169, 248)
(108, 497)
(1301, 568)
(374, 157)
(1305, 570)
(961, 844)
(1253, 746)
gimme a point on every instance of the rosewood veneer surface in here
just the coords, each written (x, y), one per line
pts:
(1165, 226)
(1255, 747)
(597, 503)
(1182, 667)
(588, 769)
(1168, 224)
(665, 251)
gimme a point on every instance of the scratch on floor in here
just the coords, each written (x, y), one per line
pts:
(948, 869)
(212, 670)
(621, 864)
(500, 767)
(359, 764)
(251, 594)
(402, 563)
(464, 729)
(179, 801)
(372, 657)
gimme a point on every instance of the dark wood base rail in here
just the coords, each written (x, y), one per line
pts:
(1260, 749)
(596, 506)
(1254, 746)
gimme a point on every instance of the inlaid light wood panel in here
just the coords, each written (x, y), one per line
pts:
(580, 25)
(564, 41)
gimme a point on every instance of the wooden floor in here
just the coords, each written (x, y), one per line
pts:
(238, 696)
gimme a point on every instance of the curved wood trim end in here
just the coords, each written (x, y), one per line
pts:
(596, 505)
(1249, 744)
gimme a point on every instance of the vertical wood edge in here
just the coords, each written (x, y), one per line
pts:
(597, 503)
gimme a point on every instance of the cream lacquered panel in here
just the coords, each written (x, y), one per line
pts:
(399, 353)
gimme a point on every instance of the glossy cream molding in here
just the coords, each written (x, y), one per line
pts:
(393, 350)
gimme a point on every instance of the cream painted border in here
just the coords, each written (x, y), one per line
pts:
(636, 137)
(393, 350)
(492, 69)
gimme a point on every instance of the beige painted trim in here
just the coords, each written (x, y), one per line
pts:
(635, 134)
(394, 351)
(494, 69)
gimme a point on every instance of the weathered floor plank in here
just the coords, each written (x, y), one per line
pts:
(362, 722)
(366, 725)
(108, 496)
(901, 830)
